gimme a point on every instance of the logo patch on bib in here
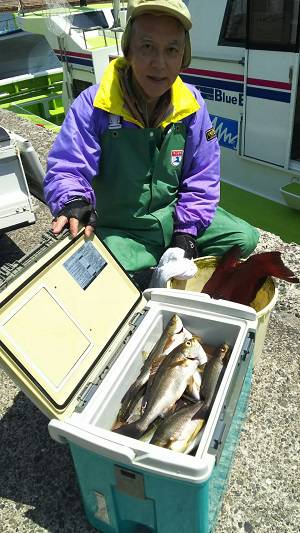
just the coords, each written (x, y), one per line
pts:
(210, 134)
(176, 157)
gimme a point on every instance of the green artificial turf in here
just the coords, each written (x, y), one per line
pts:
(262, 213)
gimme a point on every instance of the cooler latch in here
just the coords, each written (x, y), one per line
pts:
(92, 386)
(86, 395)
(137, 319)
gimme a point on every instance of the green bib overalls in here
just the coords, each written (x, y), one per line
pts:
(136, 191)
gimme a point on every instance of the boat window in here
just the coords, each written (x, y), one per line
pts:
(86, 21)
(272, 24)
(261, 24)
(233, 30)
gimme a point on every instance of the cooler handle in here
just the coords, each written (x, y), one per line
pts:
(232, 397)
(64, 432)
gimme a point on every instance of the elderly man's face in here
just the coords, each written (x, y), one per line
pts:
(155, 53)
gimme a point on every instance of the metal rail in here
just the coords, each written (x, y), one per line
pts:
(221, 59)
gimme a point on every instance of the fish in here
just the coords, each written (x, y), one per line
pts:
(172, 336)
(179, 429)
(211, 374)
(252, 273)
(168, 386)
(202, 357)
(239, 281)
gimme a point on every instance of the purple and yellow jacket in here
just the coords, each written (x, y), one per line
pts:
(74, 159)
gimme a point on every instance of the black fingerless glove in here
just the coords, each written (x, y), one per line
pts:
(80, 209)
(186, 242)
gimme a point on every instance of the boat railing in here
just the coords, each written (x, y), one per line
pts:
(105, 32)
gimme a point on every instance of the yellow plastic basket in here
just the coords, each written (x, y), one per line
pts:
(263, 303)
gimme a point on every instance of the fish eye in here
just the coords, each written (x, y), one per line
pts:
(188, 343)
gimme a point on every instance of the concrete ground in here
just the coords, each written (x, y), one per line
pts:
(38, 486)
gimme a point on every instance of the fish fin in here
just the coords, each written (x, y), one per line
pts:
(129, 430)
(250, 275)
(273, 265)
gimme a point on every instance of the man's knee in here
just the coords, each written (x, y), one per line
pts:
(248, 240)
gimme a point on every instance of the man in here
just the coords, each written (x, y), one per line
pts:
(140, 149)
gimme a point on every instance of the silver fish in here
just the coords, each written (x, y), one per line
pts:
(168, 385)
(178, 430)
(172, 336)
(211, 374)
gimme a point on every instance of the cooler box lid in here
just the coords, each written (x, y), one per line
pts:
(60, 319)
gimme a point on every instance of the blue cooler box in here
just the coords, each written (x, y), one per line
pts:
(74, 330)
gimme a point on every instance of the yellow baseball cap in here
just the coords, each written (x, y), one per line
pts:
(173, 8)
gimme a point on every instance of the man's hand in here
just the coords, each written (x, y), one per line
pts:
(172, 264)
(73, 213)
(187, 243)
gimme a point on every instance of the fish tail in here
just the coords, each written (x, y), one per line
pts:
(129, 401)
(273, 265)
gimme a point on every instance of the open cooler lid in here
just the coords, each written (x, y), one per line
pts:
(59, 317)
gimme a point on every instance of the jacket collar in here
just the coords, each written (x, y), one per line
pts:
(109, 96)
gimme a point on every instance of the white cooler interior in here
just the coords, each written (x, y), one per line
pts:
(102, 410)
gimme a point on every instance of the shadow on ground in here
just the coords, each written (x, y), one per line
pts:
(9, 251)
(38, 472)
